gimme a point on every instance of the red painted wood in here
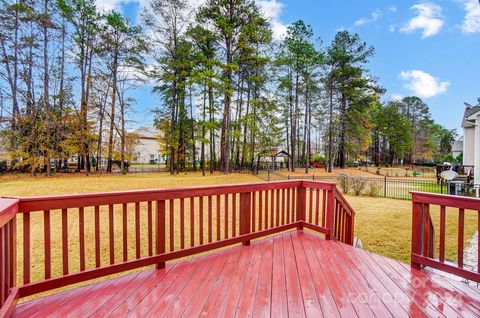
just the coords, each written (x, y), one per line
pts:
(217, 221)
(111, 233)
(279, 302)
(97, 235)
(266, 210)
(124, 231)
(214, 301)
(324, 210)
(234, 214)
(8, 210)
(263, 292)
(137, 230)
(282, 203)
(182, 224)
(171, 206)
(310, 205)
(260, 210)
(150, 228)
(8, 306)
(461, 225)
(225, 215)
(277, 207)
(192, 221)
(160, 231)
(272, 208)
(65, 241)
(442, 234)
(26, 248)
(47, 243)
(289, 217)
(416, 232)
(3, 269)
(422, 260)
(253, 212)
(210, 221)
(200, 220)
(245, 215)
(81, 230)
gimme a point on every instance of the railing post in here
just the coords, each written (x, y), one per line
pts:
(245, 215)
(417, 231)
(329, 214)
(300, 207)
(160, 231)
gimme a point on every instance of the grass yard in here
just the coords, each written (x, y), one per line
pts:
(384, 225)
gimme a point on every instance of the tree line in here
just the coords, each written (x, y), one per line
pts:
(230, 92)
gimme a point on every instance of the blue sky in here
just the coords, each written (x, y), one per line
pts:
(425, 48)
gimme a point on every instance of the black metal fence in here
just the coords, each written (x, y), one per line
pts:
(395, 188)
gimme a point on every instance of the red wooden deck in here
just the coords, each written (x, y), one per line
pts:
(293, 274)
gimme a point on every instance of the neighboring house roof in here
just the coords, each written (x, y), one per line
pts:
(469, 112)
(147, 132)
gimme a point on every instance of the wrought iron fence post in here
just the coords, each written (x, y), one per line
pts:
(385, 187)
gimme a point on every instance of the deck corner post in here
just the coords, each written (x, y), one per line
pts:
(245, 215)
(417, 232)
(160, 231)
(301, 204)
(329, 214)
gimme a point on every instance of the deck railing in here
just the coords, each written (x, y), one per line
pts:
(53, 241)
(427, 206)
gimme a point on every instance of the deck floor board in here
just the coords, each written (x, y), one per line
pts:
(294, 274)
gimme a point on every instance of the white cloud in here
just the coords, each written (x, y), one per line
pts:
(429, 19)
(471, 22)
(396, 97)
(423, 84)
(272, 9)
(109, 5)
(392, 9)
(374, 16)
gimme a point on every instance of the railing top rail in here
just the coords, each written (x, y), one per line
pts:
(38, 203)
(446, 200)
(8, 209)
(319, 184)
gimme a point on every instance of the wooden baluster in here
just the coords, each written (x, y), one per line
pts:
(317, 206)
(310, 210)
(218, 217)
(182, 223)
(160, 231)
(192, 222)
(125, 236)
(171, 206)
(65, 240)
(266, 211)
(150, 228)
(225, 216)
(324, 205)
(47, 244)
(260, 210)
(111, 234)
(461, 226)
(253, 207)
(245, 212)
(210, 222)
(13, 253)
(234, 215)
(200, 220)
(81, 230)
(478, 241)
(282, 203)
(3, 269)
(272, 208)
(26, 248)
(138, 253)
(289, 219)
(97, 236)
(442, 234)
(277, 211)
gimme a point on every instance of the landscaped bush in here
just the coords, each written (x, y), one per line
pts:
(344, 183)
(374, 188)
(358, 184)
(321, 159)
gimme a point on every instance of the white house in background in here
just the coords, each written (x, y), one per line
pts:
(147, 147)
(457, 147)
(471, 142)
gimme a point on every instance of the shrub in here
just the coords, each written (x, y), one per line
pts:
(378, 171)
(374, 188)
(358, 184)
(344, 183)
(350, 163)
(321, 159)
